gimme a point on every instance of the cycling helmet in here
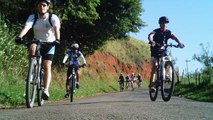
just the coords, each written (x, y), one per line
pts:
(75, 45)
(47, 1)
(163, 19)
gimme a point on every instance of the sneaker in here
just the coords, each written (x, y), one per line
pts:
(152, 89)
(67, 95)
(45, 95)
(77, 85)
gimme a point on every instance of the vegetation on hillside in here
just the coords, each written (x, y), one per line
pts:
(199, 85)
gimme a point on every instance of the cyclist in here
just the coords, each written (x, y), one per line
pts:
(121, 81)
(160, 37)
(127, 81)
(139, 80)
(45, 32)
(73, 56)
(133, 80)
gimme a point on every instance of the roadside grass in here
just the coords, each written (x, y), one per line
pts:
(12, 88)
(200, 92)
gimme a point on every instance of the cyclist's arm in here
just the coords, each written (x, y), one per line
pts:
(28, 25)
(151, 38)
(65, 58)
(56, 26)
(24, 30)
(83, 58)
(175, 38)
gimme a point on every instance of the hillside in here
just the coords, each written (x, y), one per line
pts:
(120, 56)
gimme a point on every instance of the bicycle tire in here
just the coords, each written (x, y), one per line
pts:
(72, 88)
(167, 85)
(39, 89)
(31, 83)
(153, 94)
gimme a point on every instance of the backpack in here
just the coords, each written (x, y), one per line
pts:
(30, 33)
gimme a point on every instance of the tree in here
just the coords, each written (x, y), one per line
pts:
(88, 22)
(206, 58)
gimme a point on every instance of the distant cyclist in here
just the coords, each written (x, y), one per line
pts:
(133, 81)
(127, 81)
(139, 78)
(121, 81)
(46, 29)
(73, 56)
(158, 38)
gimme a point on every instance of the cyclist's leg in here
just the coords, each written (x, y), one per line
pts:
(47, 52)
(153, 72)
(77, 78)
(47, 75)
(32, 49)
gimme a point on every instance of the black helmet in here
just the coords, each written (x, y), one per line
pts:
(163, 19)
(47, 1)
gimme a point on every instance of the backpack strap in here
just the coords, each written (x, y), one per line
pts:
(35, 19)
(50, 17)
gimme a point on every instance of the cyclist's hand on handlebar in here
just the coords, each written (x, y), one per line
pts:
(57, 42)
(83, 65)
(152, 43)
(181, 45)
(19, 40)
(62, 64)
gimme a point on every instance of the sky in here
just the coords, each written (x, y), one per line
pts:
(190, 20)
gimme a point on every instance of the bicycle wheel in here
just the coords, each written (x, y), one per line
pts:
(154, 93)
(72, 87)
(167, 84)
(31, 83)
(40, 88)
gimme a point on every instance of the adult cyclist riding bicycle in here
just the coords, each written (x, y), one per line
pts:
(73, 56)
(47, 30)
(157, 38)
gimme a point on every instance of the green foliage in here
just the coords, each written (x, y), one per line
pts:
(199, 93)
(11, 54)
(206, 58)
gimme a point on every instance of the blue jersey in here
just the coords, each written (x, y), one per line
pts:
(73, 58)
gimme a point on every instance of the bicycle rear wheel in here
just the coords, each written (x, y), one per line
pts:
(167, 84)
(154, 93)
(31, 84)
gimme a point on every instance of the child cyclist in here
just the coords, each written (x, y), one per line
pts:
(73, 56)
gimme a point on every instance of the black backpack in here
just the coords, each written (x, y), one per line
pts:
(30, 33)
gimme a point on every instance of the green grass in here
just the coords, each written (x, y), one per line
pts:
(13, 88)
(198, 93)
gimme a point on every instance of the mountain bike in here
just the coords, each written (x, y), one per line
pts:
(72, 79)
(165, 75)
(121, 84)
(34, 81)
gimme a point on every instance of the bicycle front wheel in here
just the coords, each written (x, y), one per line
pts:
(72, 88)
(31, 84)
(167, 84)
(154, 93)
(39, 89)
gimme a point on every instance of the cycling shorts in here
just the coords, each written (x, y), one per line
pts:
(47, 51)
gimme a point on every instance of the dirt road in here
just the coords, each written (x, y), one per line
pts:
(127, 105)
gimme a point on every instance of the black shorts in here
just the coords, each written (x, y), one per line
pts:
(156, 52)
(69, 71)
(47, 51)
